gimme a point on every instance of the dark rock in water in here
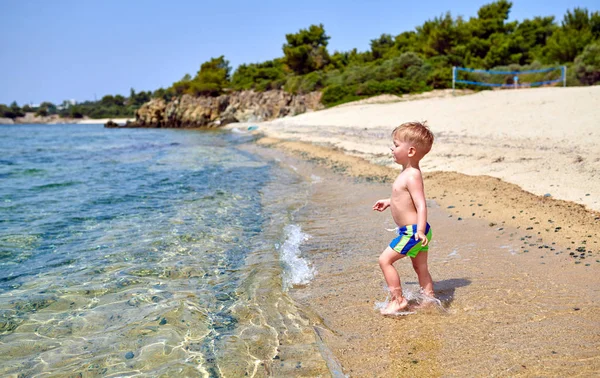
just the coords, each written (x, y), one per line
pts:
(111, 125)
(163, 321)
(129, 355)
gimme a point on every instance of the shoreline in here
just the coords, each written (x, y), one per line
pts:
(54, 120)
(486, 198)
(516, 270)
(508, 289)
(102, 121)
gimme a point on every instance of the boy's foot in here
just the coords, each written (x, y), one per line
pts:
(395, 306)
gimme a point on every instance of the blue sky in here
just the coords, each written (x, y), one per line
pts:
(65, 49)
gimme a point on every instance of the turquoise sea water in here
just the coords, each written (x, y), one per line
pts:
(161, 252)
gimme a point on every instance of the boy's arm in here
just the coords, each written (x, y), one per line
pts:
(417, 193)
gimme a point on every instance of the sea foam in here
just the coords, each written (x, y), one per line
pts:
(297, 270)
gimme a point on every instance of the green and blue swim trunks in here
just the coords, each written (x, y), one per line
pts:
(405, 243)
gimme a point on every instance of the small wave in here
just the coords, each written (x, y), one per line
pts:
(414, 296)
(297, 270)
(56, 185)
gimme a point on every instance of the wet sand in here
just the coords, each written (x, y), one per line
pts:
(517, 275)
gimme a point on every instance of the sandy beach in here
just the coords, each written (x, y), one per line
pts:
(543, 140)
(513, 190)
(102, 121)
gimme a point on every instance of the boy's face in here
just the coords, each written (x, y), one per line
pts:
(402, 151)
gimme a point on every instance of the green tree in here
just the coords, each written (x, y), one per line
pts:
(165, 94)
(13, 111)
(260, 76)
(138, 99)
(211, 79)
(490, 19)
(16, 110)
(5, 111)
(531, 37)
(438, 36)
(578, 29)
(381, 45)
(587, 65)
(306, 51)
(109, 100)
(405, 42)
(46, 108)
(119, 100)
(182, 86)
(75, 112)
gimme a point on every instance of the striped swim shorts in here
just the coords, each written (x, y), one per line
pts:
(406, 244)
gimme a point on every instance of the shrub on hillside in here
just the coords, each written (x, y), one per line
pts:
(587, 65)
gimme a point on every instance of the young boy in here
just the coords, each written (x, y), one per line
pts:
(412, 141)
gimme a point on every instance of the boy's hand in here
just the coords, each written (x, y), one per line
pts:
(420, 235)
(381, 205)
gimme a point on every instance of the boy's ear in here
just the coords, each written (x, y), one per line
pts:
(412, 151)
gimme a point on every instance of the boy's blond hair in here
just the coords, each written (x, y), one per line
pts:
(414, 132)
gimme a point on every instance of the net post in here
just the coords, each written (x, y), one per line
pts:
(564, 72)
(453, 78)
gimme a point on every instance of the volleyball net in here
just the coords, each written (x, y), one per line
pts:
(509, 79)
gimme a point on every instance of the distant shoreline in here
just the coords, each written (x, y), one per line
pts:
(58, 120)
(102, 121)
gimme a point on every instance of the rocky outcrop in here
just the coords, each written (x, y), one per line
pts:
(244, 106)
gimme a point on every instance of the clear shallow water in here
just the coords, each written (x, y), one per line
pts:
(166, 252)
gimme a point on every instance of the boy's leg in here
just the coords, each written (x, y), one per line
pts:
(392, 279)
(420, 266)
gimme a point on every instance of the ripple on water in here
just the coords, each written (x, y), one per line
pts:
(142, 264)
